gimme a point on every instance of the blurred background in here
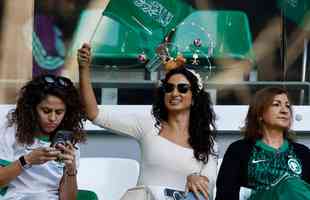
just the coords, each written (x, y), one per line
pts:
(237, 46)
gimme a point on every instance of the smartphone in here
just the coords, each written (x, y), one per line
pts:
(61, 137)
(172, 194)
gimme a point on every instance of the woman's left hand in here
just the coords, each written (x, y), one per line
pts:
(198, 184)
(68, 157)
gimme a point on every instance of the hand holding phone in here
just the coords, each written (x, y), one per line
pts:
(60, 141)
(61, 137)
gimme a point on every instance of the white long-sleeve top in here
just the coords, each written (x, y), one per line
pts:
(163, 162)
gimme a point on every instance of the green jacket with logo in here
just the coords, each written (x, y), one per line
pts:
(233, 173)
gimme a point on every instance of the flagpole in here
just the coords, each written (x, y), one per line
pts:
(93, 34)
(283, 44)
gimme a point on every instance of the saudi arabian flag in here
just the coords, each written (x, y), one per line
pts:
(297, 11)
(151, 19)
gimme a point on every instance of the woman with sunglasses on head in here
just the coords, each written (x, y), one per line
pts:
(267, 160)
(31, 167)
(176, 138)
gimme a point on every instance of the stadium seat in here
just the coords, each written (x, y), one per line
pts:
(219, 34)
(112, 42)
(109, 178)
(86, 195)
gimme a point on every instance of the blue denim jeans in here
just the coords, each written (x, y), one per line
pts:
(191, 196)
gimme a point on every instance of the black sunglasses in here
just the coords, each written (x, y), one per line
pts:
(181, 87)
(59, 81)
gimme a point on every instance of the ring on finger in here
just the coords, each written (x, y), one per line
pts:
(60, 157)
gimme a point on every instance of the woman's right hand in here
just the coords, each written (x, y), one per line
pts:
(42, 155)
(198, 184)
(84, 56)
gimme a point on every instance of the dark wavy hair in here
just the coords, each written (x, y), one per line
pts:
(261, 101)
(25, 116)
(202, 130)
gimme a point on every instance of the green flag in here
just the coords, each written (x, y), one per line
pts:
(297, 11)
(151, 19)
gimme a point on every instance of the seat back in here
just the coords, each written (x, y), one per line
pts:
(109, 178)
(218, 34)
(112, 42)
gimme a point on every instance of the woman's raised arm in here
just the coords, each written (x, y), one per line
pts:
(87, 93)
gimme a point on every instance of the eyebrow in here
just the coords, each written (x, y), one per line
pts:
(179, 83)
(279, 101)
(46, 107)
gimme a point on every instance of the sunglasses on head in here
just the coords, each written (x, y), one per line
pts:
(59, 81)
(181, 87)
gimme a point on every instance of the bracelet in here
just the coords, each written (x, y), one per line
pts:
(71, 174)
(195, 174)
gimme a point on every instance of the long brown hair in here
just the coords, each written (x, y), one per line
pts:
(202, 129)
(259, 104)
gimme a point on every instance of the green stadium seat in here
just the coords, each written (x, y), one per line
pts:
(112, 43)
(218, 34)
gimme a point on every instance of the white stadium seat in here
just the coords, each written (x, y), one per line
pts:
(109, 178)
